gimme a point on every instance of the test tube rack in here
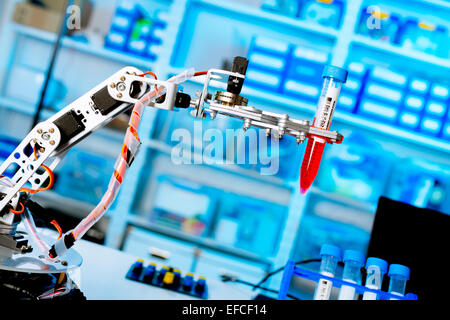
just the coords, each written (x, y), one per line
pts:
(291, 269)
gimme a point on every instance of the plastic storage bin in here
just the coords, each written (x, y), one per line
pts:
(191, 213)
(325, 13)
(355, 169)
(380, 25)
(250, 224)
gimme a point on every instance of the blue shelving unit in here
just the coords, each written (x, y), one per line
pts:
(205, 34)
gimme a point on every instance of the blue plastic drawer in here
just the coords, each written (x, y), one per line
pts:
(122, 23)
(269, 46)
(385, 93)
(303, 90)
(388, 76)
(151, 52)
(352, 84)
(377, 110)
(446, 131)
(419, 86)
(357, 69)
(436, 108)
(347, 101)
(266, 62)
(430, 125)
(409, 120)
(305, 71)
(414, 103)
(137, 47)
(116, 40)
(439, 91)
(263, 80)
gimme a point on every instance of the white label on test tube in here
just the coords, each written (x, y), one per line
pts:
(347, 292)
(326, 108)
(324, 286)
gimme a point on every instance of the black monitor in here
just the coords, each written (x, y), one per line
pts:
(418, 238)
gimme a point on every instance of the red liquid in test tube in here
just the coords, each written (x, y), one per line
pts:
(334, 77)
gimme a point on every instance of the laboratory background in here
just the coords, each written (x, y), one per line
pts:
(226, 220)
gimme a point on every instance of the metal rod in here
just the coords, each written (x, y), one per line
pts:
(48, 76)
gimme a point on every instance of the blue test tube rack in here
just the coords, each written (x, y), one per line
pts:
(291, 269)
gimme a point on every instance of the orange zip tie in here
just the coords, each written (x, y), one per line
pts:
(118, 176)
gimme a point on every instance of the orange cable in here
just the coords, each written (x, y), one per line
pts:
(18, 211)
(56, 225)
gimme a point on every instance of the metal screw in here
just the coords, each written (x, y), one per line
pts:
(121, 86)
(122, 78)
(119, 95)
(52, 142)
(112, 85)
(42, 150)
(64, 263)
(51, 130)
(39, 131)
(45, 136)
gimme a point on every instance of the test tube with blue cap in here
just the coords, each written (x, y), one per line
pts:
(376, 269)
(353, 262)
(330, 256)
(399, 275)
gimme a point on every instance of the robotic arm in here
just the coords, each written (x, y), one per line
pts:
(50, 140)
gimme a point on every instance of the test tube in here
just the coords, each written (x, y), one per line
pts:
(376, 268)
(334, 77)
(353, 262)
(399, 275)
(330, 256)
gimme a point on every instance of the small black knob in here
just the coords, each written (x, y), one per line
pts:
(182, 100)
(235, 84)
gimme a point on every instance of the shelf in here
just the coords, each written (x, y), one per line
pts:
(354, 203)
(438, 4)
(231, 168)
(287, 104)
(272, 18)
(69, 43)
(206, 243)
(17, 105)
(403, 52)
(76, 208)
